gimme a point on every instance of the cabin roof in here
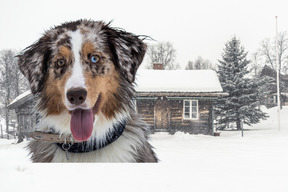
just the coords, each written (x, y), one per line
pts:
(20, 100)
(188, 81)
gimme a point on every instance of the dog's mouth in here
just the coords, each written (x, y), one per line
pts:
(82, 120)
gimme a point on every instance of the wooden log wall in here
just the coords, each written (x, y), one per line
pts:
(146, 110)
(203, 125)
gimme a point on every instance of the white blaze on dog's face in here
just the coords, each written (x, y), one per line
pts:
(83, 68)
(75, 93)
(77, 79)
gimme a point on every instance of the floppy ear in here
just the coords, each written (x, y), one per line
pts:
(129, 51)
(33, 63)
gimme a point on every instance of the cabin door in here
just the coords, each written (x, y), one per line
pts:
(161, 118)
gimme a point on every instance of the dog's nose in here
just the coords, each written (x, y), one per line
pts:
(76, 96)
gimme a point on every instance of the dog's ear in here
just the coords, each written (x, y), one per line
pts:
(129, 51)
(33, 62)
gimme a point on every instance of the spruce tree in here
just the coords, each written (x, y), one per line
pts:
(242, 104)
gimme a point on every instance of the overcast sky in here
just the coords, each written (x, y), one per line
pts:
(195, 28)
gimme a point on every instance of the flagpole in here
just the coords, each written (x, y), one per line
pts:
(277, 68)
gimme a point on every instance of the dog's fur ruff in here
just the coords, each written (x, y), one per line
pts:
(101, 60)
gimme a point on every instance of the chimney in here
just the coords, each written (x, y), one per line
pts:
(158, 66)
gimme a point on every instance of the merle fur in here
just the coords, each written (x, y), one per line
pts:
(126, 49)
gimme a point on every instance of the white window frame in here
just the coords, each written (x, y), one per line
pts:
(190, 110)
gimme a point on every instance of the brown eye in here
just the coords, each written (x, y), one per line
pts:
(94, 59)
(61, 62)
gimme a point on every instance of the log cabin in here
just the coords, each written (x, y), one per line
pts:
(178, 100)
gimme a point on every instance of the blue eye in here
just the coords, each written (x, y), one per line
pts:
(94, 59)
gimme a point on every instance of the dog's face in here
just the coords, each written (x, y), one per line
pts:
(83, 68)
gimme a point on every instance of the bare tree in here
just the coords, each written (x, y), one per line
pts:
(190, 65)
(199, 63)
(164, 53)
(12, 82)
(256, 64)
(268, 50)
(269, 53)
(6, 62)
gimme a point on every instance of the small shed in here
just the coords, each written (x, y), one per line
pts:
(272, 87)
(178, 100)
(26, 119)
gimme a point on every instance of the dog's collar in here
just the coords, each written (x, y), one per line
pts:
(69, 144)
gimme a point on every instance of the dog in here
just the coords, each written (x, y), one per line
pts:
(82, 74)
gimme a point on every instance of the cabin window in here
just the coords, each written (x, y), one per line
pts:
(190, 109)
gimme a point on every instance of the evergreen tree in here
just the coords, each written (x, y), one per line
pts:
(242, 104)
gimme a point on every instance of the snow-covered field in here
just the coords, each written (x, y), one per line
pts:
(257, 162)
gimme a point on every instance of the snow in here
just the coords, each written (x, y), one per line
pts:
(256, 162)
(177, 81)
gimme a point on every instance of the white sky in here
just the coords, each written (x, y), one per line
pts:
(196, 28)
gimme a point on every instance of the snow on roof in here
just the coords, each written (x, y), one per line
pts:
(194, 81)
(20, 97)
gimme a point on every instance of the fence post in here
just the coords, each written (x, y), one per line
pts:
(242, 129)
(14, 130)
(1, 131)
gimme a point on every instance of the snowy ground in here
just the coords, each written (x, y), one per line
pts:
(257, 162)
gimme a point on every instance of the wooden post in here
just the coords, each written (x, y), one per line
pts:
(242, 128)
(212, 117)
(1, 131)
(14, 130)
(277, 77)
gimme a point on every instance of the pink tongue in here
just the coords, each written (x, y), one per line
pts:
(81, 124)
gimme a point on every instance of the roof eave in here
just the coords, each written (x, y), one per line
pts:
(15, 104)
(181, 94)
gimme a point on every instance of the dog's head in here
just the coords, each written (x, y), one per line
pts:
(83, 68)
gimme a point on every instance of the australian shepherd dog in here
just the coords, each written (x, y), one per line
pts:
(82, 74)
